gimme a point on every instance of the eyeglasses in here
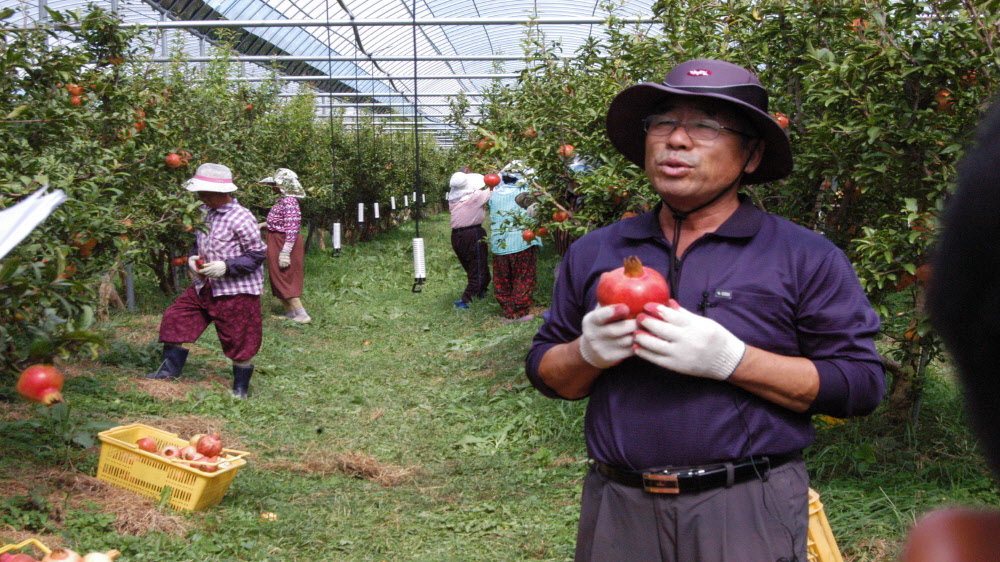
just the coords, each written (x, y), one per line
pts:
(699, 129)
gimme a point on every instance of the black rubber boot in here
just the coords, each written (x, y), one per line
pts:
(241, 380)
(174, 358)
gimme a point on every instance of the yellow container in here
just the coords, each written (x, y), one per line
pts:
(822, 546)
(123, 464)
(26, 543)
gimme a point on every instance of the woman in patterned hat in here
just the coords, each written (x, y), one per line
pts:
(285, 248)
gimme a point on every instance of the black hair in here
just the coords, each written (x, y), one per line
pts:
(964, 290)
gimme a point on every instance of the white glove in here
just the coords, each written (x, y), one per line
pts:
(215, 268)
(284, 260)
(607, 336)
(679, 340)
(192, 266)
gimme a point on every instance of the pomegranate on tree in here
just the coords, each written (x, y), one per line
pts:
(41, 383)
(491, 179)
(174, 160)
(633, 285)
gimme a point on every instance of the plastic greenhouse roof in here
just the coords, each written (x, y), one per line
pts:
(363, 50)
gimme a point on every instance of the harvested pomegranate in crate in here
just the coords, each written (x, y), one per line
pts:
(32, 550)
(147, 460)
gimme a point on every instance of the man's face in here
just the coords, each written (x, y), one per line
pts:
(213, 199)
(686, 171)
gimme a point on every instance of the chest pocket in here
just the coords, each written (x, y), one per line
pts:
(764, 320)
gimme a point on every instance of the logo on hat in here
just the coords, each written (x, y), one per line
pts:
(699, 72)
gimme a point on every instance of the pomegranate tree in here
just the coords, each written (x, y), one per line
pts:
(633, 285)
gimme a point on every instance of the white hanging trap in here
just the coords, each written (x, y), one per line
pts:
(419, 266)
(336, 239)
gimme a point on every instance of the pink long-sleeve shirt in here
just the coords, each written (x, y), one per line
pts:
(469, 210)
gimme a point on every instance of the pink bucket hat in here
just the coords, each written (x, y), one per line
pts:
(211, 177)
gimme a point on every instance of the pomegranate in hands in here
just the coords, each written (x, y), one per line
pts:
(633, 285)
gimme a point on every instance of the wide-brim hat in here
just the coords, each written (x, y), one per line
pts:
(211, 177)
(701, 78)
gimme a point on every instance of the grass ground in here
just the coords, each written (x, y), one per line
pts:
(394, 427)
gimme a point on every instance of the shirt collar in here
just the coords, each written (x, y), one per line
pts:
(222, 208)
(744, 223)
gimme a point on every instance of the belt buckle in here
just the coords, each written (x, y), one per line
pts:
(660, 483)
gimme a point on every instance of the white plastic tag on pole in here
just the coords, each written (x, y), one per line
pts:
(361, 212)
(336, 235)
(414, 196)
(423, 197)
(406, 200)
(376, 210)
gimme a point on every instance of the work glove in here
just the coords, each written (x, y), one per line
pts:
(262, 224)
(284, 260)
(607, 336)
(677, 339)
(215, 269)
(192, 266)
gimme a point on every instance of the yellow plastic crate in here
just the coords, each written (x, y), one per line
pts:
(26, 543)
(822, 546)
(123, 464)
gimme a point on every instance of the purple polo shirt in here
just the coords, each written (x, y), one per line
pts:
(775, 285)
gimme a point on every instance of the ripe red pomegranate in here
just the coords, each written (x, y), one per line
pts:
(147, 444)
(41, 383)
(209, 445)
(491, 180)
(633, 285)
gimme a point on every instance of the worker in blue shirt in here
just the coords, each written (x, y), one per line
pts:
(698, 411)
(514, 256)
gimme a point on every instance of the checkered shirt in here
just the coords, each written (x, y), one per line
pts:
(232, 233)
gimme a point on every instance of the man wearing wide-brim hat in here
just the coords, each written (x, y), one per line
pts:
(698, 410)
(228, 279)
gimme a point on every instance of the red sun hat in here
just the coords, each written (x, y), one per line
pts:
(701, 78)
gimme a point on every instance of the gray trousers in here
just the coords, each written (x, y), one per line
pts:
(749, 522)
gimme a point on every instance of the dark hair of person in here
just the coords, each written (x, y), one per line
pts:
(964, 290)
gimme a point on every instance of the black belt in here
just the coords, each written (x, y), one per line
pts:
(465, 227)
(687, 479)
